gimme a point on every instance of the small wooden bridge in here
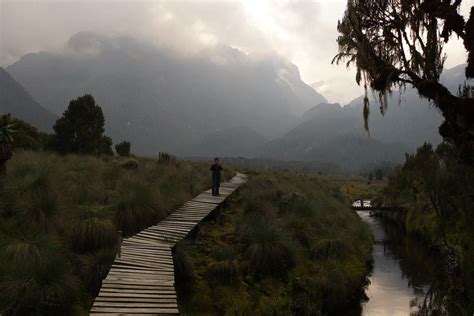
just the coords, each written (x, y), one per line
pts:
(141, 279)
(366, 205)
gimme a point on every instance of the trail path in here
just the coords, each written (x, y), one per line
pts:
(141, 279)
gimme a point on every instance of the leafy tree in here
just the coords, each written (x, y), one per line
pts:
(105, 146)
(6, 141)
(123, 149)
(81, 128)
(394, 43)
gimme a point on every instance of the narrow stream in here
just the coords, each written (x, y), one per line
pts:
(404, 271)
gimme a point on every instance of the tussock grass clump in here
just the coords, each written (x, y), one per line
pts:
(268, 247)
(28, 194)
(270, 251)
(26, 248)
(94, 267)
(93, 234)
(44, 288)
(35, 275)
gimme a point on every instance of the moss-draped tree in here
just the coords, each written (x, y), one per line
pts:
(394, 43)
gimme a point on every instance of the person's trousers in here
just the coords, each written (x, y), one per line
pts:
(215, 185)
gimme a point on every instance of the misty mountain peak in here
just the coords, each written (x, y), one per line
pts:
(147, 92)
(87, 43)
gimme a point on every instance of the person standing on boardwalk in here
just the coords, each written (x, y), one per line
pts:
(216, 176)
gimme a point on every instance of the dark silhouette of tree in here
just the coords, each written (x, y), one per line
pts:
(394, 43)
(6, 141)
(27, 136)
(105, 146)
(81, 128)
(123, 149)
(378, 174)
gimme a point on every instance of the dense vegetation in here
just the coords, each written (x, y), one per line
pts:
(60, 218)
(285, 244)
(435, 189)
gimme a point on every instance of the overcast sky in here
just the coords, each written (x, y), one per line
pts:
(303, 31)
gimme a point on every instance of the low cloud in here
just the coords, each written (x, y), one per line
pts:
(302, 31)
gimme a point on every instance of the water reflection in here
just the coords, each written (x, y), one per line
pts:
(404, 271)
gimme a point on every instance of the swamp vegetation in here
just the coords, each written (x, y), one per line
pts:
(60, 218)
(285, 244)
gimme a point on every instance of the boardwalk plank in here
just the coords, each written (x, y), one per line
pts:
(124, 310)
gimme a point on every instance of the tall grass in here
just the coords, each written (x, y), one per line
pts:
(60, 218)
(295, 244)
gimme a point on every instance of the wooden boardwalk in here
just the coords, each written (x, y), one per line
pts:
(141, 279)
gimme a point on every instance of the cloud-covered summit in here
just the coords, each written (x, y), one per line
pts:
(150, 93)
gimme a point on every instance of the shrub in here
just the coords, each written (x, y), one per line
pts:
(123, 149)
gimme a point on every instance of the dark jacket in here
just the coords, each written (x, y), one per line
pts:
(216, 169)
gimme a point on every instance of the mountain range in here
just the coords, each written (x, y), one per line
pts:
(220, 102)
(14, 99)
(164, 102)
